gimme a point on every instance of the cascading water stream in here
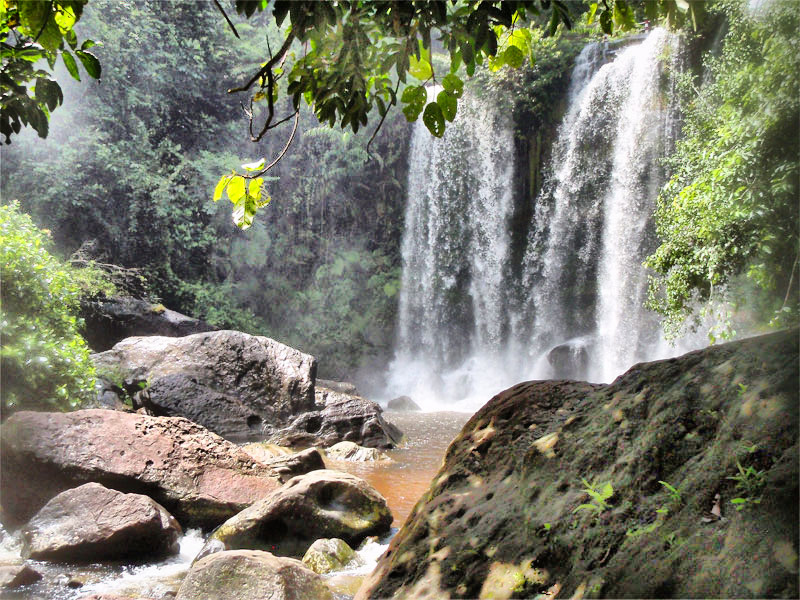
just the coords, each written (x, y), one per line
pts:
(453, 307)
(467, 329)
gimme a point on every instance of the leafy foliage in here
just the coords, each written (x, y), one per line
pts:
(32, 31)
(599, 496)
(348, 60)
(727, 219)
(44, 362)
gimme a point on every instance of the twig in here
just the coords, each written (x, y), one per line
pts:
(283, 152)
(219, 7)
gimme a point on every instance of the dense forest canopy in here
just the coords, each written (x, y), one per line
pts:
(128, 164)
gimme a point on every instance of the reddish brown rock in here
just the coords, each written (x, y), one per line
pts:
(198, 476)
(92, 523)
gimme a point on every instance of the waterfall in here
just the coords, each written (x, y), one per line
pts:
(453, 309)
(467, 329)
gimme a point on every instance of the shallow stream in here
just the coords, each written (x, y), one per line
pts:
(401, 481)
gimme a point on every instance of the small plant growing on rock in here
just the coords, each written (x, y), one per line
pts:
(599, 496)
(750, 483)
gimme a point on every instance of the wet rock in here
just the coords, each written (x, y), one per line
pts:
(299, 463)
(14, 576)
(320, 504)
(111, 320)
(199, 477)
(402, 404)
(500, 518)
(251, 575)
(240, 386)
(354, 453)
(326, 555)
(264, 452)
(343, 418)
(343, 387)
(569, 360)
(92, 523)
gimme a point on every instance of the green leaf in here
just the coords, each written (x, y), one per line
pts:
(587, 507)
(90, 63)
(448, 104)
(254, 189)
(414, 98)
(236, 188)
(72, 66)
(607, 491)
(48, 92)
(513, 57)
(244, 212)
(221, 185)
(434, 119)
(590, 15)
(453, 84)
(606, 24)
(419, 68)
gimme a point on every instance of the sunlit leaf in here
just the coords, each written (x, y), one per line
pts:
(255, 166)
(419, 68)
(223, 182)
(236, 188)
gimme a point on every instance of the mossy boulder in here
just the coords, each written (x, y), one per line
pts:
(503, 517)
(251, 575)
(320, 504)
(326, 555)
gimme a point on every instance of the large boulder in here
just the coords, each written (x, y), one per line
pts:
(340, 417)
(92, 523)
(510, 513)
(320, 504)
(111, 320)
(251, 575)
(242, 387)
(198, 476)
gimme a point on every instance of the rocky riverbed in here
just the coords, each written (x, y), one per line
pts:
(687, 466)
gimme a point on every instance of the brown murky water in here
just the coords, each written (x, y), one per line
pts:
(413, 466)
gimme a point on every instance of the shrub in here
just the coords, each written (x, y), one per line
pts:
(44, 362)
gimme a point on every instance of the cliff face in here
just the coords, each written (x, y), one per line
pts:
(508, 515)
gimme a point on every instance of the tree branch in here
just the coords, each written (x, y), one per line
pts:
(267, 68)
